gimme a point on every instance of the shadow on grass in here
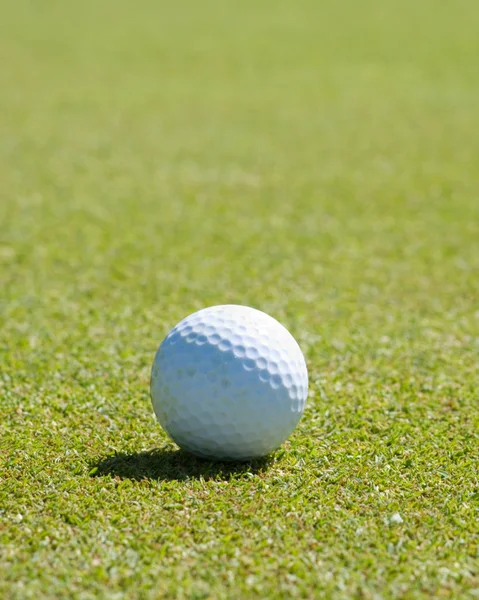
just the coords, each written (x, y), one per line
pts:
(167, 464)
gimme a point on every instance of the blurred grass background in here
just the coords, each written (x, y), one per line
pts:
(316, 160)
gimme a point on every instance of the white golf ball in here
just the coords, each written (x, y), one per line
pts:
(229, 383)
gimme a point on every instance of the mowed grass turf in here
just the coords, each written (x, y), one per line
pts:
(316, 160)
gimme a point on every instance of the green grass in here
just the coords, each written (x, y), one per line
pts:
(316, 160)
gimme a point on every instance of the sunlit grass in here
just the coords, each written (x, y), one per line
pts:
(316, 160)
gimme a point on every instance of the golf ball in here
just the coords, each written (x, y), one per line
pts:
(229, 383)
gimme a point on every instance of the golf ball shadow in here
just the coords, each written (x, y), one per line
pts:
(171, 464)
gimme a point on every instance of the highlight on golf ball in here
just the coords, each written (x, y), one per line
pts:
(229, 383)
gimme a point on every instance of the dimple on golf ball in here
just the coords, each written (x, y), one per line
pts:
(229, 383)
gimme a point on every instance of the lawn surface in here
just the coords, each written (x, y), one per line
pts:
(316, 160)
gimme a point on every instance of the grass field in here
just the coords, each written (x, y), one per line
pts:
(316, 160)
